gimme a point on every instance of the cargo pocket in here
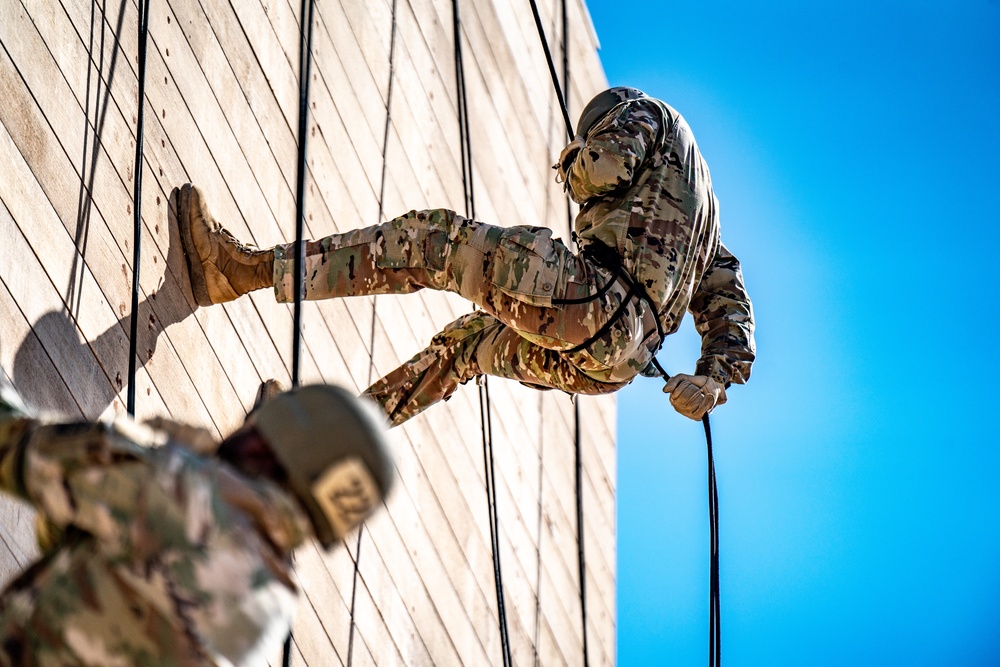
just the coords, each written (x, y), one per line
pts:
(526, 265)
(412, 247)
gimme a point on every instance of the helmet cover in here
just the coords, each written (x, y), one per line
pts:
(332, 446)
(602, 103)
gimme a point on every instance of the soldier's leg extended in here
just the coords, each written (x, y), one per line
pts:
(476, 344)
(520, 275)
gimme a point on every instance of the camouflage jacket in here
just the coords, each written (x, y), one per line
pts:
(646, 192)
(160, 556)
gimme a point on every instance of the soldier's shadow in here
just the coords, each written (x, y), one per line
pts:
(93, 372)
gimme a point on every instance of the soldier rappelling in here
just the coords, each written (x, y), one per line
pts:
(584, 323)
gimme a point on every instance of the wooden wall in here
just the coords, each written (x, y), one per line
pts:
(221, 111)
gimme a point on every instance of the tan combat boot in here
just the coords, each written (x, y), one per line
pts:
(221, 267)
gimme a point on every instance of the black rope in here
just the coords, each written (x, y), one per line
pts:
(714, 599)
(563, 97)
(385, 163)
(715, 609)
(388, 113)
(581, 559)
(491, 494)
(286, 651)
(305, 63)
(552, 69)
(371, 345)
(465, 146)
(354, 593)
(137, 208)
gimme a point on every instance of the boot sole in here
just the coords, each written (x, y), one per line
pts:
(199, 287)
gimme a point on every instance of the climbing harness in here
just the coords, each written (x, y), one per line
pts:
(599, 255)
(603, 256)
(616, 274)
(465, 146)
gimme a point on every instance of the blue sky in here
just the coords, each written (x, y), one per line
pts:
(854, 148)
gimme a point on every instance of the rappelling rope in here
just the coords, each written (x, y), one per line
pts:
(305, 63)
(563, 96)
(715, 615)
(137, 207)
(552, 69)
(465, 146)
(371, 342)
(581, 559)
(715, 611)
(714, 600)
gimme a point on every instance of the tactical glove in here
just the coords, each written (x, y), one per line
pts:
(567, 158)
(694, 396)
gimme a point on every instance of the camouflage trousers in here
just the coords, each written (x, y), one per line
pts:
(550, 318)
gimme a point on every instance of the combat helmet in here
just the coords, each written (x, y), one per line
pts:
(332, 445)
(602, 103)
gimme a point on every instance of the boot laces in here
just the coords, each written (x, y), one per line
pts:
(248, 248)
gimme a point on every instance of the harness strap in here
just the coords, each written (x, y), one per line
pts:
(606, 258)
(596, 295)
(611, 321)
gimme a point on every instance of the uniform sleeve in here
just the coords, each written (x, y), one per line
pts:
(723, 315)
(75, 474)
(82, 474)
(614, 150)
(15, 426)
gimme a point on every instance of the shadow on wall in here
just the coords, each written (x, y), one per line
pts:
(93, 129)
(95, 371)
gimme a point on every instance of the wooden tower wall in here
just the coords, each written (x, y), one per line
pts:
(221, 111)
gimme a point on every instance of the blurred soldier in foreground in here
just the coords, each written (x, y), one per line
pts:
(584, 323)
(159, 551)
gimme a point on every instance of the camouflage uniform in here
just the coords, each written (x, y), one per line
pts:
(552, 318)
(157, 556)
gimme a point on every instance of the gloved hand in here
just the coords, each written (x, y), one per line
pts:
(694, 396)
(566, 159)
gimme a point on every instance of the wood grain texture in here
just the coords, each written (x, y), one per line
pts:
(221, 110)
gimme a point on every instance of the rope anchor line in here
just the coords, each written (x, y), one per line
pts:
(305, 63)
(137, 208)
(465, 146)
(715, 649)
(715, 610)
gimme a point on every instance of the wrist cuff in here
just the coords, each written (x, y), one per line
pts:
(714, 368)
